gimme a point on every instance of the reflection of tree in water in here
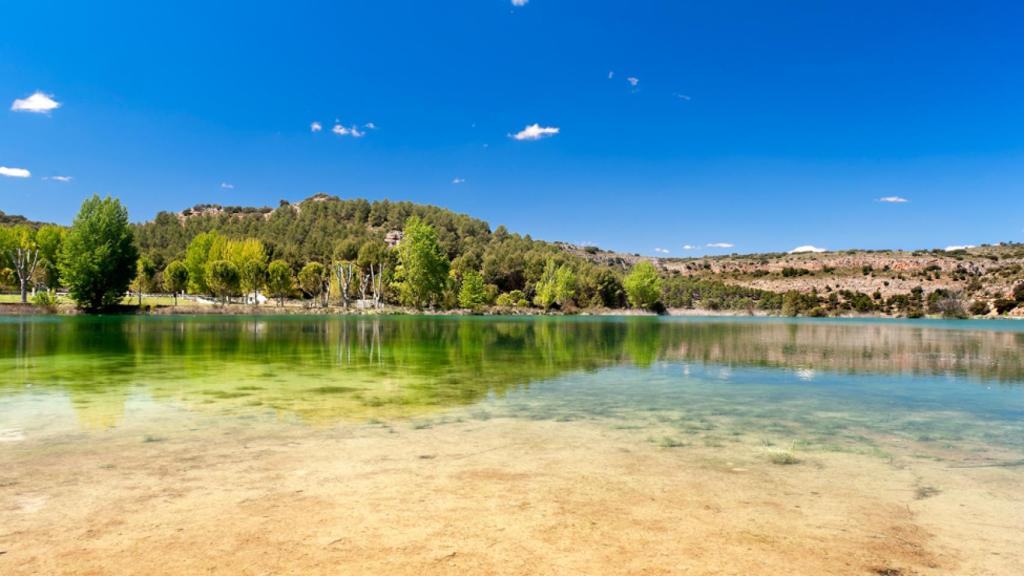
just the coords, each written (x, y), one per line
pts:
(329, 369)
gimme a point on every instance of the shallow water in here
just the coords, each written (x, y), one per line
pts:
(949, 395)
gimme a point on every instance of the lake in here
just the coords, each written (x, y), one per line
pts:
(483, 445)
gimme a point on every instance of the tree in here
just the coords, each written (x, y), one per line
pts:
(250, 257)
(472, 294)
(223, 279)
(145, 274)
(98, 255)
(26, 258)
(279, 280)
(176, 278)
(49, 239)
(424, 264)
(311, 279)
(643, 286)
(197, 256)
(556, 286)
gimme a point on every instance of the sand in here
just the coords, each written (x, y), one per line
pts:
(502, 496)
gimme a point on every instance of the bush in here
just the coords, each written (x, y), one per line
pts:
(1004, 305)
(45, 299)
(979, 308)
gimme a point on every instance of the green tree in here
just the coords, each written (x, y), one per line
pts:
(472, 294)
(145, 276)
(279, 280)
(98, 255)
(556, 286)
(643, 286)
(223, 279)
(197, 256)
(311, 279)
(424, 264)
(176, 278)
(49, 239)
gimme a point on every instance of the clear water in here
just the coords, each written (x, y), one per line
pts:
(940, 390)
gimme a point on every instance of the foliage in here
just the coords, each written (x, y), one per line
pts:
(424, 265)
(472, 294)
(513, 299)
(556, 286)
(311, 279)
(45, 299)
(643, 286)
(98, 255)
(197, 256)
(279, 280)
(979, 308)
(223, 278)
(1004, 305)
(176, 278)
(145, 275)
(49, 239)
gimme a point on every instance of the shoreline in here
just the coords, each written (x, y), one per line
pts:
(190, 309)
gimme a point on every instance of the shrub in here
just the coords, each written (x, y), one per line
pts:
(979, 308)
(1004, 305)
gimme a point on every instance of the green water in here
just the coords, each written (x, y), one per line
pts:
(944, 390)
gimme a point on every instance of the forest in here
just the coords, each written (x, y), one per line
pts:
(353, 253)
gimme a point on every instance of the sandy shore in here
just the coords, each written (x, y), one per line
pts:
(488, 497)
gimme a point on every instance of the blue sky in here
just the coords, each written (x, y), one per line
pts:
(760, 125)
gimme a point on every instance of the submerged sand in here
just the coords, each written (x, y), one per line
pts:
(501, 496)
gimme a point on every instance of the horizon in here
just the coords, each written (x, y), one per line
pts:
(669, 131)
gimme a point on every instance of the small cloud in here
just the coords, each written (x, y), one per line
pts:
(805, 249)
(661, 250)
(370, 126)
(689, 247)
(535, 132)
(354, 131)
(58, 178)
(520, 3)
(458, 180)
(633, 81)
(893, 200)
(316, 126)
(719, 245)
(227, 185)
(38, 103)
(682, 96)
(955, 248)
(14, 172)
(611, 74)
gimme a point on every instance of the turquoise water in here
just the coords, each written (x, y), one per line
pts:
(938, 389)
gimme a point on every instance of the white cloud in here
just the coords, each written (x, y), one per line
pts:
(520, 2)
(14, 172)
(955, 248)
(458, 180)
(719, 245)
(535, 132)
(661, 250)
(370, 126)
(58, 178)
(633, 81)
(39, 103)
(682, 96)
(689, 247)
(611, 74)
(893, 200)
(354, 131)
(315, 127)
(227, 185)
(806, 248)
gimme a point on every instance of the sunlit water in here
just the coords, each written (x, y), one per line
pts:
(941, 390)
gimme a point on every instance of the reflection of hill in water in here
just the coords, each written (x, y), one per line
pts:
(323, 370)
